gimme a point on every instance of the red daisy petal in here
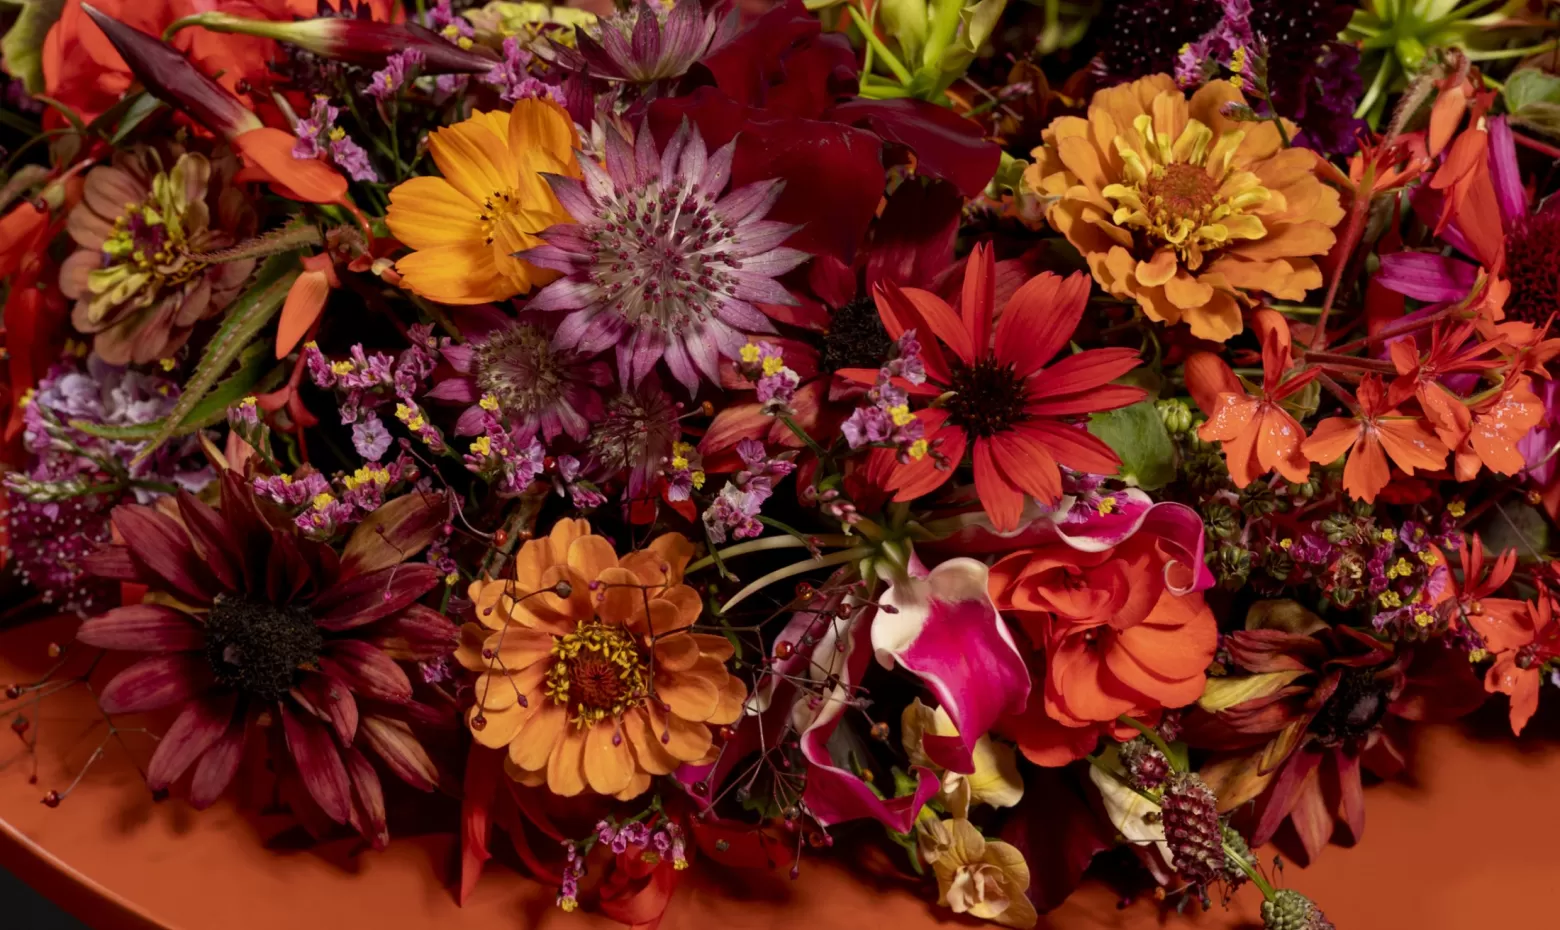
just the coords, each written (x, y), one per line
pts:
(1083, 372)
(1039, 319)
(1077, 449)
(1000, 497)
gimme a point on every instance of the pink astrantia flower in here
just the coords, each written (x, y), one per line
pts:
(658, 263)
(513, 370)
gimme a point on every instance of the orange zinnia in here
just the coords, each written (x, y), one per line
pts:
(1379, 432)
(491, 202)
(1183, 209)
(588, 673)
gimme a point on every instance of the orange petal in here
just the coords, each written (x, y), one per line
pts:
(545, 728)
(305, 301)
(690, 696)
(566, 765)
(268, 156)
(608, 765)
(676, 653)
(649, 751)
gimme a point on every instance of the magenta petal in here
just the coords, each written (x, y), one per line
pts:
(368, 671)
(158, 544)
(319, 763)
(369, 797)
(459, 357)
(365, 598)
(197, 727)
(948, 633)
(835, 794)
(456, 390)
(142, 628)
(1426, 276)
(215, 770)
(1504, 175)
(156, 682)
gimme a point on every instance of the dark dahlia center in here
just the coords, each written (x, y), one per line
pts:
(856, 338)
(1182, 191)
(258, 648)
(1354, 709)
(988, 397)
(517, 367)
(1533, 267)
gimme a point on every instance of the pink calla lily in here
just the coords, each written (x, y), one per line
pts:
(944, 629)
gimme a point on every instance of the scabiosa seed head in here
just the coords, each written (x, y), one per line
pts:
(1192, 828)
(1291, 910)
(1147, 767)
(658, 263)
(1235, 844)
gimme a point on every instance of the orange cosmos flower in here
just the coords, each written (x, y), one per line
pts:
(1182, 209)
(588, 673)
(489, 205)
(1378, 432)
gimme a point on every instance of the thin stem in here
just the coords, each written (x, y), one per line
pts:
(832, 541)
(828, 561)
(1152, 736)
(894, 65)
(1349, 361)
(1507, 53)
(1251, 872)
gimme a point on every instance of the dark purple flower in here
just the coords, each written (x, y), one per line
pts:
(647, 42)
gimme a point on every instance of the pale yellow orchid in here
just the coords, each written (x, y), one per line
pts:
(995, 780)
(976, 876)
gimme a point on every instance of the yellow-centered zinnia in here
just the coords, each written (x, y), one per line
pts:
(1177, 206)
(492, 201)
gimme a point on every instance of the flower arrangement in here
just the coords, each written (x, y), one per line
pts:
(695, 432)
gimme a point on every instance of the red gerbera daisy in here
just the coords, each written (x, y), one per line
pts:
(996, 399)
(249, 623)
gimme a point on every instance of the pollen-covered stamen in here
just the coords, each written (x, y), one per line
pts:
(258, 648)
(988, 397)
(1354, 710)
(663, 258)
(519, 369)
(500, 215)
(598, 672)
(1533, 267)
(856, 337)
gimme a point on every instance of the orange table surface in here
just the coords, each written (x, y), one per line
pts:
(1472, 840)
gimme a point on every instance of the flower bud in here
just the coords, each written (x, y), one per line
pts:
(1291, 910)
(356, 41)
(171, 78)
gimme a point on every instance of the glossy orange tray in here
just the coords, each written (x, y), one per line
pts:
(1472, 842)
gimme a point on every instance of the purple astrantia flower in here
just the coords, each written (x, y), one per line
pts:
(511, 368)
(398, 70)
(637, 435)
(660, 265)
(1527, 253)
(57, 510)
(647, 42)
(320, 138)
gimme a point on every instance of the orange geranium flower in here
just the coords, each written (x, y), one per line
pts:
(1378, 432)
(491, 202)
(1498, 423)
(588, 673)
(1183, 209)
(1525, 640)
(1257, 434)
(1116, 640)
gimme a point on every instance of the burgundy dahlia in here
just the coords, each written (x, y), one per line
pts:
(250, 627)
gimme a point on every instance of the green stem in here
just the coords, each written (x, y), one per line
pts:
(1377, 86)
(1507, 53)
(894, 65)
(828, 561)
(1251, 872)
(1122, 781)
(832, 541)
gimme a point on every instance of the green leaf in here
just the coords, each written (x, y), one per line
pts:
(143, 106)
(23, 44)
(244, 320)
(1531, 86)
(1140, 439)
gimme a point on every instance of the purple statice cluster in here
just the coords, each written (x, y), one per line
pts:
(663, 841)
(1229, 44)
(569, 480)
(323, 506)
(885, 416)
(400, 69)
(504, 458)
(366, 381)
(764, 365)
(320, 138)
(1395, 575)
(734, 511)
(512, 77)
(573, 871)
(74, 478)
(442, 19)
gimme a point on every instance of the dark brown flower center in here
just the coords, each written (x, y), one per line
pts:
(1533, 267)
(258, 648)
(988, 397)
(856, 337)
(1354, 710)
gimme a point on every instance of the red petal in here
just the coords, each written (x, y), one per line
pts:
(215, 770)
(977, 302)
(374, 596)
(370, 797)
(330, 699)
(197, 727)
(1040, 318)
(1028, 464)
(1084, 371)
(1002, 500)
(395, 743)
(1077, 449)
(213, 539)
(319, 763)
(156, 682)
(142, 628)
(157, 543)
(1109, 397)
(368, 671)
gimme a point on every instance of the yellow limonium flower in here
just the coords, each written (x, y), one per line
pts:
(491, 202)
(1183, 209)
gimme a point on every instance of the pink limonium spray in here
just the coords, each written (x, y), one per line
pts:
(658, 263)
